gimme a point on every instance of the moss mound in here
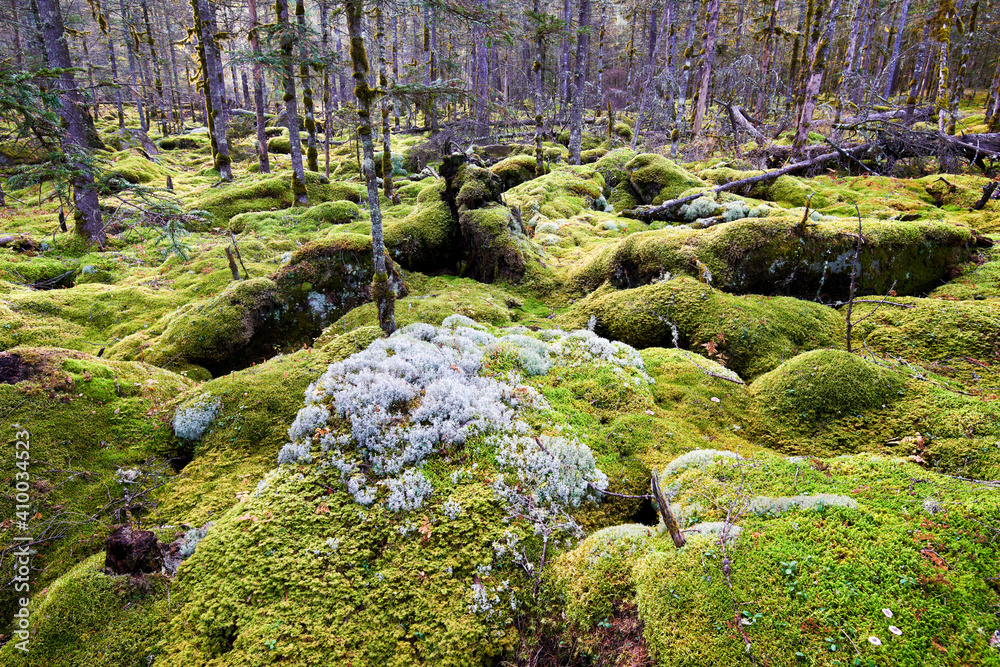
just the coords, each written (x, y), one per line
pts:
(822, 383)
(88, 617)
(768, 256)
(750, 334)
(136, 169)
(514, 170)
(227, 331)
(559, 194)
(654, 179)
(268, 194)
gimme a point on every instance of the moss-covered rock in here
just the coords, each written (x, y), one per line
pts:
(612, 166)
(514, 170)
(230, 330)
(750, 334)
(654, 179)
(425, 240)
(136, 169)
(559, 194)
(768, 256)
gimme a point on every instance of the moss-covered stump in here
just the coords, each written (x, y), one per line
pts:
(425, 240)
(749, 334)
(268, 194)
(493, 242)
(85, 417)
(774, 256)
(654, 179)
(514, 170)
(324, 280)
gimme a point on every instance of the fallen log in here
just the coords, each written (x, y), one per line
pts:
(665, 210)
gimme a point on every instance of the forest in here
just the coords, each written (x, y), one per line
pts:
(500, 333)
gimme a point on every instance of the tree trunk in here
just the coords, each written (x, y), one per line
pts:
(958, 82)
(539, 70)
(383, 82)
(647, 89)
(324, 15)
(918, 67)
(817, 67)
(482, 79)
(382, 292)
(564, 74)
(133, 77)
(102, 20)
(576, 118)
(88, 218)
(897, 46)
(701, 104)
(308, 108)
(993, 113)
(258, 89)
(204, 19)
(166, 110)
(288, 40)
(942, 35)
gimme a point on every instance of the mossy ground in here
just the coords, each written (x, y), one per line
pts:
(130, 334)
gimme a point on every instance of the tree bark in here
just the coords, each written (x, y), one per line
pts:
(258, 89)
(204, 15)
(897, 46)
(308, 108)
(383, 82)
(708, 60)
(958, 81)
(817, 67)
(88, 217)
(579, 81)
(382, 292)
(288, 39)
(127, 29)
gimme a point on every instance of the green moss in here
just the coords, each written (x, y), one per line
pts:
(559, 194)
(814, 579)
(332, 213)
(219, 333)
(424, 239)
(186, 142)
(770, 255)
(282, 145)
(514, 170)
(88, 617)
(268, 194)
(655, 179)
(824, 383)
(92, 416)
(752, 334)
(36, 270)
(136, 169)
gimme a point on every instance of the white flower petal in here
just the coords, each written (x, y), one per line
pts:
(875, 641)
(887, 612)
(894, 630)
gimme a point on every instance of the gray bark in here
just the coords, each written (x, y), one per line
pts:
(288, 40)
(88, 218)
(258, 90)
(579, 81)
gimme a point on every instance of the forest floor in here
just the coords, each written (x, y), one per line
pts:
(847, 450)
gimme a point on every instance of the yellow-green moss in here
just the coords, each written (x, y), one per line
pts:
(655, 179)
(753, 334)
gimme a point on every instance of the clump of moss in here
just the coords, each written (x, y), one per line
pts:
(186, 142)
(559, 194)
(89, 617)
(750, 334)
(655, 179)
(136, 169)
(332, 213)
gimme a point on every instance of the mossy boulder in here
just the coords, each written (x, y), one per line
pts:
(188, 142)
(136, 169)
(89, 617)
(559, 194)
(495, 244)
(281, 145)
(773, 256)
(227, 331)
(749, 334)
(654, 179)
(425, 239)
(612, 166)
(338, 212)
(788, 191)
(824, 383)
(325, 279)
